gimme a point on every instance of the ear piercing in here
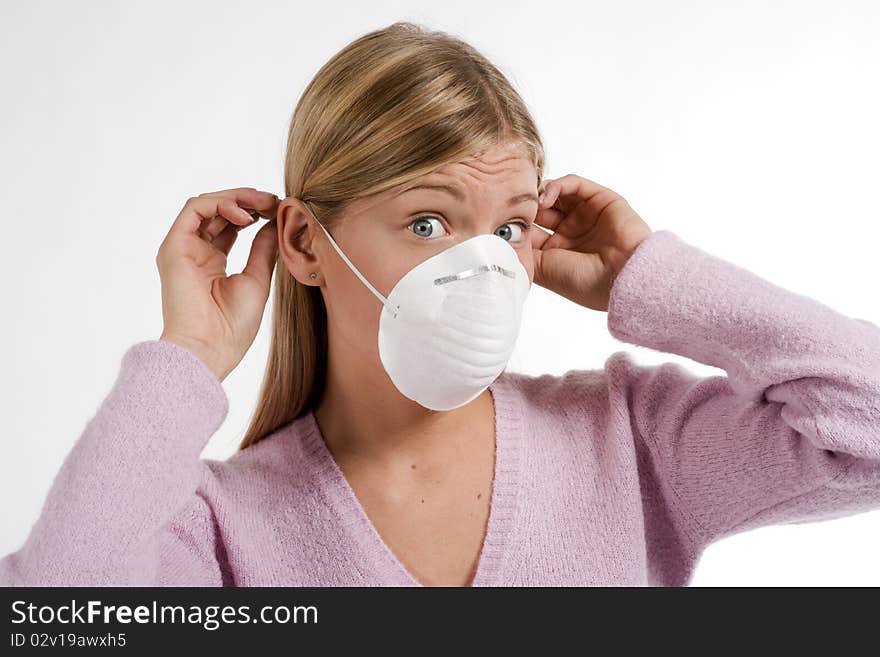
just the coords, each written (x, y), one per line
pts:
(313, 275)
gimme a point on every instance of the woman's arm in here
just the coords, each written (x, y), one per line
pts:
(110, 517)
(128, 488)
(187, 550)
(791, 434)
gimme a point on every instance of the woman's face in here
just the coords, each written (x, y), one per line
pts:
(390, 233)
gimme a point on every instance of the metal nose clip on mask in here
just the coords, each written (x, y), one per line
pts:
(449, 325)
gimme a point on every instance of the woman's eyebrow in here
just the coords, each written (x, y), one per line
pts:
(459, 195)
(522, 198)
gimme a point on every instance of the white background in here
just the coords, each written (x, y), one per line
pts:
(748, 128)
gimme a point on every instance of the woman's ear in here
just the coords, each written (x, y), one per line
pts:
(296, 234)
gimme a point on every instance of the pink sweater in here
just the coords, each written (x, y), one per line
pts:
(617, 476)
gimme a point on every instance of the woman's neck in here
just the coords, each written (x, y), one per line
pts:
(362, 415)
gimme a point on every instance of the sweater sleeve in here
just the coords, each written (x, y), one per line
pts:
(791, 434)
(187, 550)
(130, 479)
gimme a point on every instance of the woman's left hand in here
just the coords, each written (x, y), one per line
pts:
(596, 231)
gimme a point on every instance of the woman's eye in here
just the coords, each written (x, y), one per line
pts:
(506, 230)
(427, 227)
(430, 227)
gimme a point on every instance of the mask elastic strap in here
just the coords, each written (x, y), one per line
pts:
(391, 308)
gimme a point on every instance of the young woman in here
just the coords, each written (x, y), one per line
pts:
(389, 446)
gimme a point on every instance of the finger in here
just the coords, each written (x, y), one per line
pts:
(226, 238)
(199, 211)
(236, 190)
(547, 215)
(224, 241)
(263, 254)
(213, 227)
(539, 236)
(265, 204)
(549, 218)
(570, 190)
(200, 208)
(568, 273)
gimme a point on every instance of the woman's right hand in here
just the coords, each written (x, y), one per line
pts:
(214, 315)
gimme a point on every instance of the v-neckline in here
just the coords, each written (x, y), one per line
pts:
(502, 509)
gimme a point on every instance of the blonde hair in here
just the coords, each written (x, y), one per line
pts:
(391, 106)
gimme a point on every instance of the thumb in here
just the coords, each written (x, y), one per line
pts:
(264, 251)
(571, 274)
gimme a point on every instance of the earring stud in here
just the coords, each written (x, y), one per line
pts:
(313, 275)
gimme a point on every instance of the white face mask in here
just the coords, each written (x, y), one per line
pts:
(450, 323)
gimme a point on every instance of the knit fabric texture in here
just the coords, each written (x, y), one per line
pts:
(618, 476)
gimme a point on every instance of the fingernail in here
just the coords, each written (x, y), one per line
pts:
(246, 215)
